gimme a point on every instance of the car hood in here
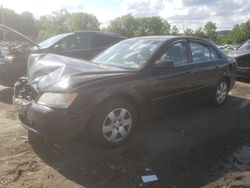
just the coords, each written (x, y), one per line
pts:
(238, 53)
(55, 73)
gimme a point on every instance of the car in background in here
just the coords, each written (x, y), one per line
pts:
(64, 96)
(79, 44)
(242, 55)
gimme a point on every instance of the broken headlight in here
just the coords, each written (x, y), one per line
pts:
(57, 100)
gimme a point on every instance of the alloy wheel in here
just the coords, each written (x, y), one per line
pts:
(221, 92)
(117, 125)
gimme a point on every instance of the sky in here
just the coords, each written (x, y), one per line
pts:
(182, 13)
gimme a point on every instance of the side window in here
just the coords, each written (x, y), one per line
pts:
(214, 55)
(75, 42)
(177, 53)
(101, 41)
(202, 53)
(67, 43)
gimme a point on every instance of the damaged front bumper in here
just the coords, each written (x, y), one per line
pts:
(46, 121)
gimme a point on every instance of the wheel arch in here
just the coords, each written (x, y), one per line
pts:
(120, 95)
(227, 78)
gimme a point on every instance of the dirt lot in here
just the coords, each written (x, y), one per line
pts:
(194, 146)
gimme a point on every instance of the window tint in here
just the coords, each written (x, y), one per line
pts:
(245, 46)
(51, 41)
(202, 53)
(214, 55)
(176, 53)
(100, 41)
(75, 42)
(130, 54)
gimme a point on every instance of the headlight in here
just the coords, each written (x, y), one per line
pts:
(57, 100)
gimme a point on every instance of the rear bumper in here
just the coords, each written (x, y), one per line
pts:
(49, 122)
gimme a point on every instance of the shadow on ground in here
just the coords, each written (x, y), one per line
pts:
(6, 95)
(244, 79)
(188, 147)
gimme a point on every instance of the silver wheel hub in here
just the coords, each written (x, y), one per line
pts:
(221, 92)
(117, 125)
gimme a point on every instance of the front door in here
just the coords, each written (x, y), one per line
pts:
(171, 82)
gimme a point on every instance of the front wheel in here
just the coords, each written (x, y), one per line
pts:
(114, 123)
(220, 93)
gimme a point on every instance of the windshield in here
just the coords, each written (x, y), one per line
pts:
(245, 46)
(129, 54)
(52, 40)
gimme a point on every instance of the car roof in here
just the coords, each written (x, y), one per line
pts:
(101, 33)
(170, 37)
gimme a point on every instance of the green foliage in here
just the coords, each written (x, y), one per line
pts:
(210, 31)
(82, 21)
(124, 25)
(199, 32)
(129, 26)
(188, 32)
(63, 21)
(174, 30)
(151, 26)
(24, 23)
(239, 33)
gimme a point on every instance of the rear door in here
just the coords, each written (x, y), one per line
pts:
(206, 67)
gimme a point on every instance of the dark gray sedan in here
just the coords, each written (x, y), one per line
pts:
(105, 96)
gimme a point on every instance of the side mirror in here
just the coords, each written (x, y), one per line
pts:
(164, 64)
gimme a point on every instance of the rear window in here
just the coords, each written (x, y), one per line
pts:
(245, 46)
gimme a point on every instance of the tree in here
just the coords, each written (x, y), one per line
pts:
(152, 26)
(199, 32)
(174, 30)
(27, 25)
(188, 32)
(129, 26)
(53, 24)
(124, 25)
(24, 23)
(63, 21)
(210, 31)
(83, 21)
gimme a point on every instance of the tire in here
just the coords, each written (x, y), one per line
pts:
(220, 93)
(114, 123)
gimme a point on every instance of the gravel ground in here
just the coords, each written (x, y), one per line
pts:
(193, 146)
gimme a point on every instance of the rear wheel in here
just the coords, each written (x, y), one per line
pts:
(220, 94)
(114, 123)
